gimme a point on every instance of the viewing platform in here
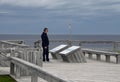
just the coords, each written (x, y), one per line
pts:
(25, 64)
(92, 71)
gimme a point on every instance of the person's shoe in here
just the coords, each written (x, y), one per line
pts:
(43, 60)
(47, 60)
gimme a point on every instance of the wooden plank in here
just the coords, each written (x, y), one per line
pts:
(37, 70)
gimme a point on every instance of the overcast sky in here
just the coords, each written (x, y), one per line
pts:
(60, 16)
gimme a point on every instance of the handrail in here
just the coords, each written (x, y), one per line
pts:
(100, 52)
(83, 41)
(114, 44)
(14, 44)
(37, 70)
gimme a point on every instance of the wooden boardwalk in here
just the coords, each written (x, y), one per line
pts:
(92, 71)
(59, 71)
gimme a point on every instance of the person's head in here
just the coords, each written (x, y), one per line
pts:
(45, 30)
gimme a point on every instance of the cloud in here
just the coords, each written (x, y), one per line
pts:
(71, 7)
(91, 7)
(32, 3)
(3, 12)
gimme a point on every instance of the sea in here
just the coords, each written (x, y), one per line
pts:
(29, 39)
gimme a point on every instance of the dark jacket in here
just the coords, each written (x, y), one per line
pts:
(45, 40)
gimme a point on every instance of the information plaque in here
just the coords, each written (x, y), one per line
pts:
(73, 54)
(54, 52)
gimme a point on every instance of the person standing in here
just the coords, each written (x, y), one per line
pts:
(45, 44)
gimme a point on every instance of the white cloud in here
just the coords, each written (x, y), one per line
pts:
(32, 3)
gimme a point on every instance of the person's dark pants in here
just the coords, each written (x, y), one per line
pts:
(46, 54)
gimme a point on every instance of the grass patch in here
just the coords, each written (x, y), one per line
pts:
(6, 78)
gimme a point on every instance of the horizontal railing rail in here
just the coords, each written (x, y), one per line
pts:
(36, 71)
(113, 45)
(98, 54)
(5, 44)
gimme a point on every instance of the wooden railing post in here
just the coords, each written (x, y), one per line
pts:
(12, 66)
(36, 71)
(118, 59)
(98, 56)
(39, 57)
(90, 55)
(107, 58)
(34, 77)
(18, 71)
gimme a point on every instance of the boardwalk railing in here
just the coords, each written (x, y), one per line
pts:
(34, 70)
(25, 61)
(33, 55)
(16, 41)
(98, 54)
(113, 45)
(26, 65)
(6, 47)
(7, 44)
(24, 58)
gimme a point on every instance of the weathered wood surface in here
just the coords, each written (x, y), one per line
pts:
(7, 44)
(21, 56)
(35, 70)
(29, 54)
(98, 53)
(18, 50)
(16, 41)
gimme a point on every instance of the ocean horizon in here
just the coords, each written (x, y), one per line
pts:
(61, 37)
(31, 38)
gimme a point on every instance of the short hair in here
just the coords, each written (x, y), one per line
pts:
(45, 29)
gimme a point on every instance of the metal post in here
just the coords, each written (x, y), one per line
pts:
(70, 31)
(70, 34)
